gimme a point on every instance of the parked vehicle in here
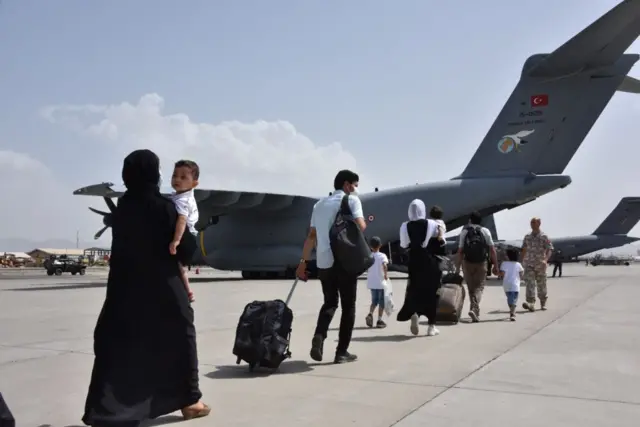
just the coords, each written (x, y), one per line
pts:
(61, 265)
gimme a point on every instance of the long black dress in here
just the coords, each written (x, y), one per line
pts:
(146, 362)
(424, 273)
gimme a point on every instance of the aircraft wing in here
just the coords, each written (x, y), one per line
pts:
(214, 203)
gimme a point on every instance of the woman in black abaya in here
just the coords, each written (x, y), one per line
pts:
(146, 363)
(423, 237)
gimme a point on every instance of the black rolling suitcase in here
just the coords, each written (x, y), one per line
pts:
(263, 333)
(6, 417)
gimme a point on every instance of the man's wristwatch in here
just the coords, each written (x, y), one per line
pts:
(303, 261)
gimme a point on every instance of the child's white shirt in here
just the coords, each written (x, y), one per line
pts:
(186, 205)
(375, 274)
(511, 279)
(442, 226)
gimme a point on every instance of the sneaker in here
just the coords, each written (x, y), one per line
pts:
(414, 328)
(529, 306)
(345, 357)
(474, 317)
(380, 324)
(316, 348)
(369, 320)
(512, 317)
(543, 305)
(432, 331)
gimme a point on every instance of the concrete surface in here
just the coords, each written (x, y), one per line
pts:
(576, 364)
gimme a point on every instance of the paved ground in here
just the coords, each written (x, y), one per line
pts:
(576, 364)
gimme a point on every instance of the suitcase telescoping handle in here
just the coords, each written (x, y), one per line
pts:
(293, 288)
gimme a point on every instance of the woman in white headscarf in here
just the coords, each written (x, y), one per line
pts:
(424, 240)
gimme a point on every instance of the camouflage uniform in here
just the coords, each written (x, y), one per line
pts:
(535, 268)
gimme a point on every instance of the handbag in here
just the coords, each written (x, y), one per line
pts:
(389, 305)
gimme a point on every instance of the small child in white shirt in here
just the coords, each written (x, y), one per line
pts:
(376, 276)
(436, 214)
(511, 272)
(184, 180)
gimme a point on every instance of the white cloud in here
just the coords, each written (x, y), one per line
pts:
(36, 206)
(258, 156)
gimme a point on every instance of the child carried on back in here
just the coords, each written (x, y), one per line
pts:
(511, 272)
(183, 181)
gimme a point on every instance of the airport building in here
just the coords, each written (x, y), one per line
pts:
(97, 253)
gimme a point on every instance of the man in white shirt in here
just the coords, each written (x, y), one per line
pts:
(337, 285)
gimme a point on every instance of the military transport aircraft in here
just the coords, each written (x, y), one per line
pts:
(612, 233)
(556, 101)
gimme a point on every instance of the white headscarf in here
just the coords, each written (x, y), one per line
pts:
(417, 210)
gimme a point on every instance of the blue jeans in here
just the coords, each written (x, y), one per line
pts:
(512, 298)
(377, 298)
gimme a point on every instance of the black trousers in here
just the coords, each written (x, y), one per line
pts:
(557, 267)
(337, 286)
(431, 305)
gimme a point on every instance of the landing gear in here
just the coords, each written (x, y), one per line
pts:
(288, 274)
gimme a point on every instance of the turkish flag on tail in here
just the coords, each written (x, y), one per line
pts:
(539, 100)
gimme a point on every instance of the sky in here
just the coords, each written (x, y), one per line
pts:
(277, 96)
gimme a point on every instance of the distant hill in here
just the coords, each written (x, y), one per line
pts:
(25, 245)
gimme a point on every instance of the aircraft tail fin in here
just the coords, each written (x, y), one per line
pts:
(622, 219)
(489, 223)
(559, 97)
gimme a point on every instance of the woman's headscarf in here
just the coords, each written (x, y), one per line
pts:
(417, 210)
(141, 171)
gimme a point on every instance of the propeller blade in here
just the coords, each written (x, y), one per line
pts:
(99, 233)
(112, 206)
(98, 212)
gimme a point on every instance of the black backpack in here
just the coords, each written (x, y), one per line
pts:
(475, 249)
(348, 244)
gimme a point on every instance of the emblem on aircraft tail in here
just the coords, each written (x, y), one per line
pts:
(508, 143)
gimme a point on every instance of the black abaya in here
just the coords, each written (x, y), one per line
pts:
(146, 362)
(424, 273)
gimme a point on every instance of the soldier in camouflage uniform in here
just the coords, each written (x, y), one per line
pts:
(536, 250)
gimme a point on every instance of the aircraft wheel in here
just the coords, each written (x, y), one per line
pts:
(290, 273)
(271, 275)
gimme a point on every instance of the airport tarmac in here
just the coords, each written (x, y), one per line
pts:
(576, 364)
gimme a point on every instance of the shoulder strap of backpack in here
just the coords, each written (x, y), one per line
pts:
(345, 209)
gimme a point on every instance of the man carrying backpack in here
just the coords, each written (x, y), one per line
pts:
(339, 285)
(474, 249)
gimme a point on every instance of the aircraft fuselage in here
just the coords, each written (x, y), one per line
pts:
(273, 242)
(575, 246)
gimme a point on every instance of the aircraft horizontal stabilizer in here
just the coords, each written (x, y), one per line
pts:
(629, 85)
(601, 44)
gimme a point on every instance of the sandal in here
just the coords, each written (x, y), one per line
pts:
(191, 412)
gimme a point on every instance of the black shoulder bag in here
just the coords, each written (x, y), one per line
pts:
(348, 243)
